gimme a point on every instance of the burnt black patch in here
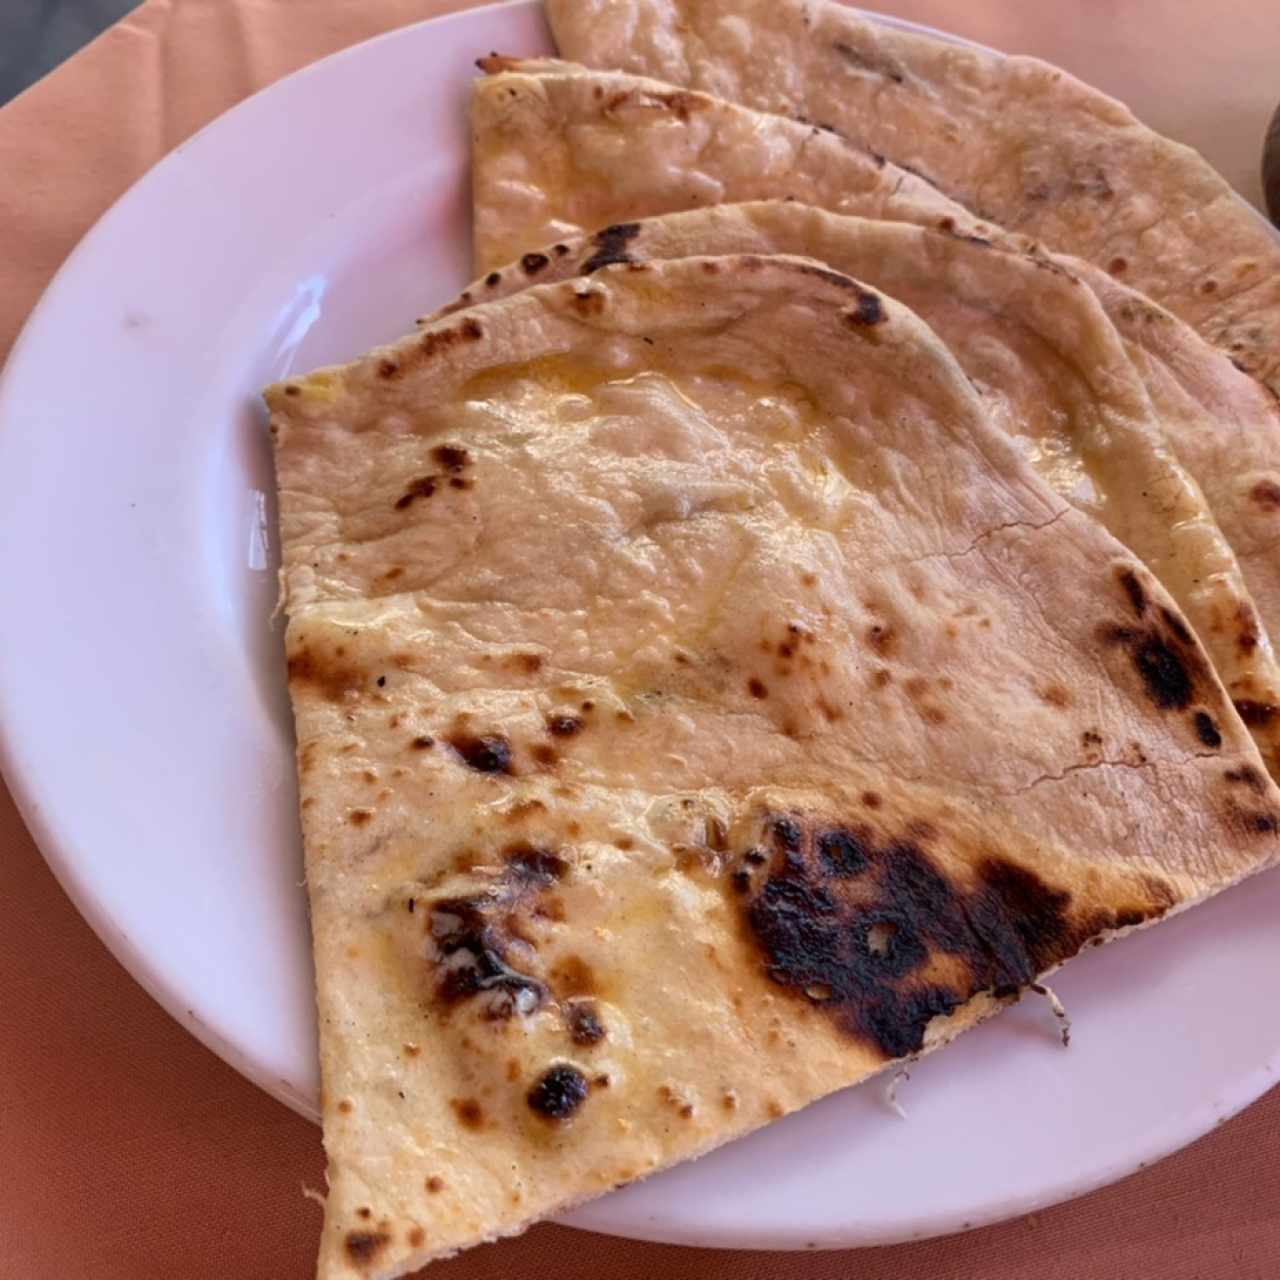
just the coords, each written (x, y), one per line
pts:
(786, 831)
(532, 263)
(1020, 920)
(493, 279)
(583, 1021)
(559, 1092)
(1256, 714)
(487, 753)
(843, 852)
(898, 1025)
(848, 920)
(536, 866)
(473, 941)
(363, 1246)
(1163, 667)
(452, 457)
(869, 311)
(422, 487)
(611, 246)
(564, 726)
(1133, 589)
(890, 944)
(1206, 729)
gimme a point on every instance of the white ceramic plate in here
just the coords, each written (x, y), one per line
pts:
(146, 731)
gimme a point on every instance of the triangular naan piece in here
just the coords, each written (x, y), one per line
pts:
(699, 707)
(558, 150)
(578, 138)
(1020, 142)
(1225, 428)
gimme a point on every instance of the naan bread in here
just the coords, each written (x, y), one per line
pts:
(1225, 428)
(557, 150)
(1026, 331)
(1018, 141)
(700, 706)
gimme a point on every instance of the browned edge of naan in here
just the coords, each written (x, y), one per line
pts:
(953, 871)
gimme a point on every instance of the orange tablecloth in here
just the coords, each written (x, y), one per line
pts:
(126, 1148)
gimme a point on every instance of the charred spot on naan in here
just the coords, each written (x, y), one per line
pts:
(583, 1021)
(558, 1092)
(329, 672)
(485, 752)
(479, 941)
(363, 1247)
(1162, 650)
(432, 343)
(1206, 729)
(1255, 712)
(866, 926)
(1249, 777)
(1133, 588)
(611, 246)
(1265, 495)
(473, 942)
(452, 457)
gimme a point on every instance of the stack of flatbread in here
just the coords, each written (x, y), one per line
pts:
(818, 578)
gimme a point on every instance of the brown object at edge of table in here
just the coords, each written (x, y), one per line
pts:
(126, 1148)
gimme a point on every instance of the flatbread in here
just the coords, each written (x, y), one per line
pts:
(557, 150)
(1018, 141)
(1021, 324)
(1224, 427)
(700, 706)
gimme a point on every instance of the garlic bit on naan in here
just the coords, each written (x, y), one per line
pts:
(681, 657)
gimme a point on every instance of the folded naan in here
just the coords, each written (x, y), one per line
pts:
(1018, 141)
(700, 706)
(557, 149)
